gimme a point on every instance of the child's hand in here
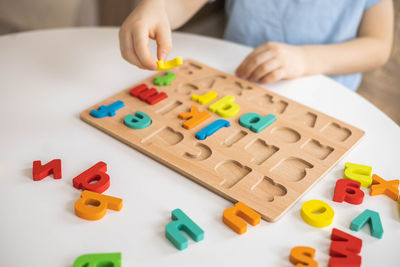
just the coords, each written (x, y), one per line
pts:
(272, 62)
(148, 19)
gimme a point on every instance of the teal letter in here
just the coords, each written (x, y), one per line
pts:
(181, 222)
(140, 121)
(371, 217)
(256, 122)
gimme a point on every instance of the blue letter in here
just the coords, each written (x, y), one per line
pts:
(109, 110)
(212, 128)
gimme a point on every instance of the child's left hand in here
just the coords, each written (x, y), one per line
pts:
(272, 62)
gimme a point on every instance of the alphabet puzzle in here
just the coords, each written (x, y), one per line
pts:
(267, 159)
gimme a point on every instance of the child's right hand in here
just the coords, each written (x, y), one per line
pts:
(148, 20)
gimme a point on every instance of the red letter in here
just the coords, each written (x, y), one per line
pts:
(349, 191)
(136, 91)
(151, 96)
(344, 250)
(96, 173)
(40, 171)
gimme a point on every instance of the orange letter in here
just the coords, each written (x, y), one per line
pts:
(93, 206)
(231, 217)
(193, 117)
(303, 257)
(381, 186)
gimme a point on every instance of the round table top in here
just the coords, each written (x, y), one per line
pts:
(48, 77)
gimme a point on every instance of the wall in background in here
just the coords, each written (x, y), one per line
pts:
(382, 86)
(210, 20)
(25, 15)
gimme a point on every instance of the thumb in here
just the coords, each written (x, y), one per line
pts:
(164, 42)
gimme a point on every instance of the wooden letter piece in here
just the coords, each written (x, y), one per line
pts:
(344, 250)
(231, 217)
(104, 111)
(206, 98)
(225, 107)
(370, 217)
(381, 186)
(150, 96)
(103, 259)
(181, 222)
(138, 121)
(349, 191)
(317, 213)
(357, 172)
(303, 256)
(93, 206)
(256, 122)
(161, 65)
(40, 171)
(164, 80)
(97, 174)
(194, 117)
(212, 128)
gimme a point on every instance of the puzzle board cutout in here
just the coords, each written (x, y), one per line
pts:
(269, 170)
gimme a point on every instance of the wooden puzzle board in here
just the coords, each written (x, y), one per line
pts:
(269, 170)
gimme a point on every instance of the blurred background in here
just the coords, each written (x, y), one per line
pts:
(381, 87)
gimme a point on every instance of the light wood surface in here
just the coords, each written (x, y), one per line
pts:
(268, 171)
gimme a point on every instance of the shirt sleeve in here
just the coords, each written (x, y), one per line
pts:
(370, 3)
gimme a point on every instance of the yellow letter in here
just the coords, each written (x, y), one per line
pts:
(317, 213)
(206, 98)
(225, 107)
(360, 173)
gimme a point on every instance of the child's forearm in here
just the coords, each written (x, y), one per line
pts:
(370, 50)
(359, 55)
(180, 11)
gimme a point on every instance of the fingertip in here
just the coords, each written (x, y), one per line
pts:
(238, 73)
(264, 81)
(164, 42)
(250, 79)
(241, 72)
(147, 61)
(272, 77)
(162, 55)
(154, 66)
(151, 65)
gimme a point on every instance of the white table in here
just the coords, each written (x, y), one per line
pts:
(48, 77)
